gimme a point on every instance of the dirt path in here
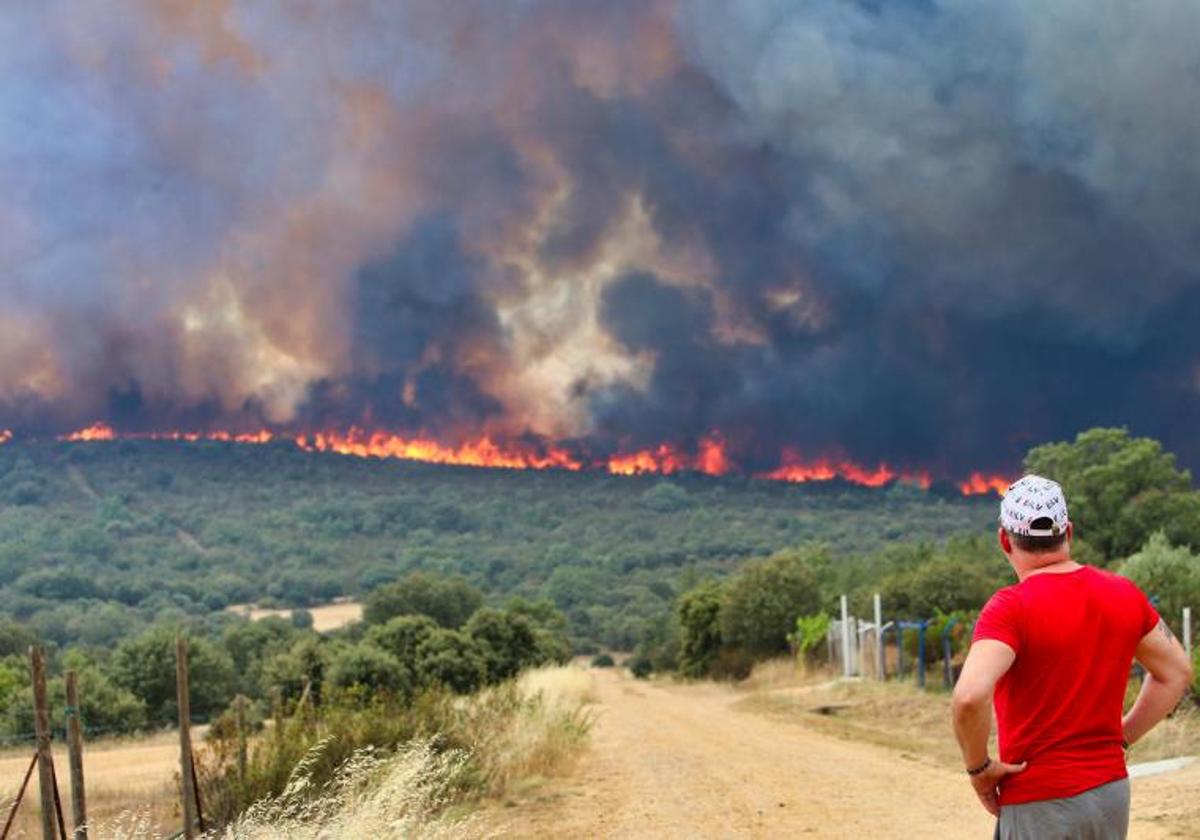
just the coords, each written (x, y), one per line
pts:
(685, 761)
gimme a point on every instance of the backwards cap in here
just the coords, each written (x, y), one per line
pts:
(1032, 498)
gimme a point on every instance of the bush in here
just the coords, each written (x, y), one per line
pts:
(451, 659)
(402, 635)
(641, 667)
(1171, 576)
(145, 666)
(449, 601)
(508, 642)
(366, 666)
(699, 613)
(602, 660)
(761, 603)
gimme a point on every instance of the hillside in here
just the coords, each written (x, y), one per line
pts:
(97, 539)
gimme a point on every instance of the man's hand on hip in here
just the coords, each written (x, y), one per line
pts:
(987, 782)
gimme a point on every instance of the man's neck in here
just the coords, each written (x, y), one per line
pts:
(1049, 564)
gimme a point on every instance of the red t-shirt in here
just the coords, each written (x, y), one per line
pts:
(1059, 706)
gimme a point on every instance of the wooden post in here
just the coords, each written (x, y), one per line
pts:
(846, 666)
(186, 779)
(41, 723)
(239, 710)
(1187, 630)
(879, 658)
(75, 758)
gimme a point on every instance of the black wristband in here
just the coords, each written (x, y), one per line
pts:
(975, 771)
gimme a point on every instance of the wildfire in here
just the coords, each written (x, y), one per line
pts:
(710, 456)
(483, 452)
(5, 436)
(795, 469)
(96, 431)
(666, 460)
(979, 484)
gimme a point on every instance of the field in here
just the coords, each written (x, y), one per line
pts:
(326, 617)
(122, 776)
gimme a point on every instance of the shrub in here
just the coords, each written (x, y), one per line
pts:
(810, 634)
(449, 601)
(602, 660)
(1169, 575)
(761, 603)
(366, 666)
(451, 659)
(641, 667)
(508, 642)
(699, 612)
(402, 635)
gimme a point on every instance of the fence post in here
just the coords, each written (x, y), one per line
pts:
(239, 708)
(41, 723)
(75, 757)
(1187, 630)
(880, 660)
(186, 779)
(845, 638)
(921, 652)
(948, 654)
(899, 649)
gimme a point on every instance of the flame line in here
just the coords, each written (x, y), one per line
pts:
(710, 457)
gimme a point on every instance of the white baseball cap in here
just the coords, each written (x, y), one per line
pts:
(1029, 499)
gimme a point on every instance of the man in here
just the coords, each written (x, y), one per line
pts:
(1055, 650)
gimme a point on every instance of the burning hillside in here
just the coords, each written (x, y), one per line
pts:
(709, 458)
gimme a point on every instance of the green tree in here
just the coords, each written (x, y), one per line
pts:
(699, 613)
(452, 659)
(304, 662)
(367, 666)
(145, 666)
(1170, 575)
(507, 640)
(449, 601)
(402, 635)
(1120, 490)
(940, 584)
(761, 603)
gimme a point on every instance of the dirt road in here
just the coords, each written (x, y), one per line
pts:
(686, 761)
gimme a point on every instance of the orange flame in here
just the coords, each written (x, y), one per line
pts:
(5, 436)
(795, 469)
(665, 459)
(710, 458)
(979, 484)
(483, 452)
(96, 431)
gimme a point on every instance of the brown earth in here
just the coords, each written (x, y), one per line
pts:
(698, 761)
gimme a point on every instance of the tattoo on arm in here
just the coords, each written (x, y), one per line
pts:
(1162, 625)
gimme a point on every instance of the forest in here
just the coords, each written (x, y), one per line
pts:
(100, 540)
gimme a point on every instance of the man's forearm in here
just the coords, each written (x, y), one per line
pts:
(972, 727)
(1154, 702)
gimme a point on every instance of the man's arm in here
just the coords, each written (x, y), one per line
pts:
(987, 661)
(1168, 675)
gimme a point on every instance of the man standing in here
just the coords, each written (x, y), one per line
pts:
(1055, 651)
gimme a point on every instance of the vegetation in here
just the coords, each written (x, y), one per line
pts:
(100, 540)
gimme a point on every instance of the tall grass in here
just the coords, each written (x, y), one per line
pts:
(389, 769)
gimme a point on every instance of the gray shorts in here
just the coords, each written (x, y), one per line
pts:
(1101, 813)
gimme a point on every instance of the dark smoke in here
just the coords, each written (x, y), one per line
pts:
(921, 233)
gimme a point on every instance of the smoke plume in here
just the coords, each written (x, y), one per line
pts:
(921, 233)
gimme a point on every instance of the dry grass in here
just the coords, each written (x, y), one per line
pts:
(901, 716)
(325, 618)
(515, 734)
(121, 774)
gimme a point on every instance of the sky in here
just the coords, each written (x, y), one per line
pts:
(927, 234)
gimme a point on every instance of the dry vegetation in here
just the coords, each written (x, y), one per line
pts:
(326, 617)
(901, 716)
(121, 774)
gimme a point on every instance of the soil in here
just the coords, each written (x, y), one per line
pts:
(668, 760)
